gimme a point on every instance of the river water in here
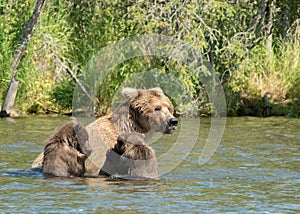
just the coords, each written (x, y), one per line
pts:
(256, 169)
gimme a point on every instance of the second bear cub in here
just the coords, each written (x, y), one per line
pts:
(131, 158)
(132, 146)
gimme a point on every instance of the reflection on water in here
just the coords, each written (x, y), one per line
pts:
(255, 169)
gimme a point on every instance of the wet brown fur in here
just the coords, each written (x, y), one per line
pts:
(66, 151)
(136, 115)
(131, 158)
(132, 146)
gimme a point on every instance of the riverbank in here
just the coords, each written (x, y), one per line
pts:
(248, 106)
(265, 106)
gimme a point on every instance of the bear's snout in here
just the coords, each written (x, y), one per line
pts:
(172, 125)
(173, 122)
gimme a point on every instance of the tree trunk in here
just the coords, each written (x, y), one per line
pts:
(26, 35)
(10, 97)
(270, 12)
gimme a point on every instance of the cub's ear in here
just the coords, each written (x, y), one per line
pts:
(130, 93)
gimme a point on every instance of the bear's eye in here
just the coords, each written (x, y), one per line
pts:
(157, 108)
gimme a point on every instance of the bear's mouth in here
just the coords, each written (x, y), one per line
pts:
(170, 129)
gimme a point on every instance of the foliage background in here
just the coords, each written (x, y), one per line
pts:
(253, 46)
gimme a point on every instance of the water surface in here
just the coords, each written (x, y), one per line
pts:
(255, 170)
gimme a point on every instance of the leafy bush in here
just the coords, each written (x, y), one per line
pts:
(231, 35)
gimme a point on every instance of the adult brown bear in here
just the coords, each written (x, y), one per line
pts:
(144, 111)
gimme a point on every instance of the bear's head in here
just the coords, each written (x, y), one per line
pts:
(149, 110)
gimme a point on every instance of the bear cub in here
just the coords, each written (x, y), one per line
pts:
(131, 158)
(132, 146)
(66, 151)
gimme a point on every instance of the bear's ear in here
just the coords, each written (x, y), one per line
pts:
(157, 89)
(130, 93)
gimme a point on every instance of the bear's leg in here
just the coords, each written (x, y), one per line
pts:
(63, 162)
(54, 163)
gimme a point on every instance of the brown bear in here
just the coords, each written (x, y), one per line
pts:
(131, 158)
(66, 151)
(144, 111)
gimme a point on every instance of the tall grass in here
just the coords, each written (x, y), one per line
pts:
(38, 74)
(70, 31)
(73, 32)
(276, 71)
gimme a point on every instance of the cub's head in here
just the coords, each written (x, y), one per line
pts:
(150, 110)
(82, 137)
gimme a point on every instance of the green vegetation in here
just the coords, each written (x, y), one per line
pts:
(253, 46)
(275, 72)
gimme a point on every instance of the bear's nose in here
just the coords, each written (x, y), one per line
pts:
(173, 122)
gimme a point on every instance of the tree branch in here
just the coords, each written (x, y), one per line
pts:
(65, 67)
